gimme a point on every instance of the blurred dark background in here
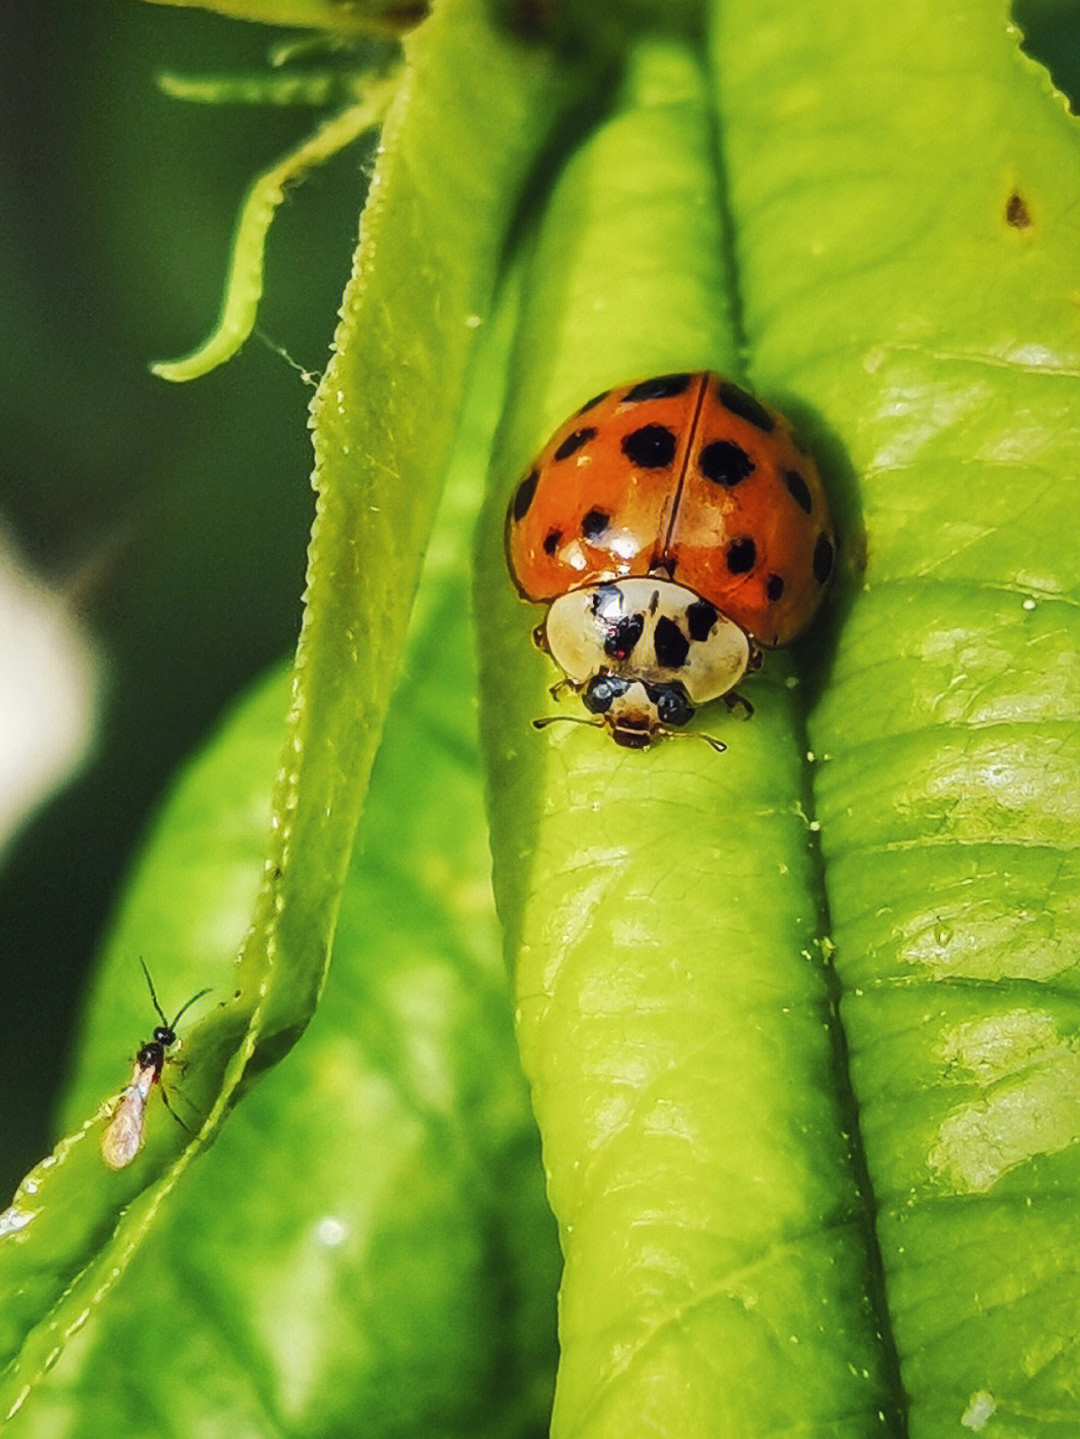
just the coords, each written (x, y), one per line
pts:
(173, 519)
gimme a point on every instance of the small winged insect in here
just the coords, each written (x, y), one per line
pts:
(126, 1130)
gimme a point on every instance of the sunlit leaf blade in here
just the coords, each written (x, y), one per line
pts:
(904, 195)
(662, 907)
(446, 190)
(370, 1227)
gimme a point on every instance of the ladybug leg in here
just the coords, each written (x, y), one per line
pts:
(734, 701)
(558, 689)
(539, 639)
(755, 660)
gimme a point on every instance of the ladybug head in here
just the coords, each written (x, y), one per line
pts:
(644, 653)
(635, 712)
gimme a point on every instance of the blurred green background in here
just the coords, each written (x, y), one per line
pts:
(175, 519)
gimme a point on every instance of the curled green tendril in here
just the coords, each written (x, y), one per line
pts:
(243, 289)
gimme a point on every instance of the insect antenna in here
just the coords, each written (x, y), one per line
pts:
(717, 744)
(545, 720)
(184, 1008)
(160, 1012)
(153, 995)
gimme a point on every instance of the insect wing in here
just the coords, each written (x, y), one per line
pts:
(126, 1130)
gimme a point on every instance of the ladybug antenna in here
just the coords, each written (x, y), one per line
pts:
(717, 744)
(545, 720)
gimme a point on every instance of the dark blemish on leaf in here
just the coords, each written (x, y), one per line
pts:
(1017, 213)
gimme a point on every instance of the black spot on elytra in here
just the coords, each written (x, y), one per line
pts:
(1017, 213)
(574, 442)
(652, 447)
(591, 404)
(774, 587)
(594, 524)
(741, 556)
(670, 643)
(700, 618)
(799, 490)
(725, 463)
(745, 406)
(663, 387)
(524, 496)
(623, 635)
(823, 559)
(551, 541)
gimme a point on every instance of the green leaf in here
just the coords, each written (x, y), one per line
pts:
(898, 196)
(663, 908)
(925, 309)
(384, 421)
(367, 1243)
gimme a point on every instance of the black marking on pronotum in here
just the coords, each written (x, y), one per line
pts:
(652, 447)
(551, 541)
(574, 442)
(604, 595)
(725, 463)
(774, 587)
(700, 618)
(670, 643)
(823, 559)
(745, 406)
(741, 556)
(594, 524)
(798, 489)
(623, 635)
(524, 496)
(663, 387)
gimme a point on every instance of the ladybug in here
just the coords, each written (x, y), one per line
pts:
(674, 528)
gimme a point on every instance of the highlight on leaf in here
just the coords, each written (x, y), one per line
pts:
(244, 286)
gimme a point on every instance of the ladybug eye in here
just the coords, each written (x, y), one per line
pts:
(672, 704)
(600, 691)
